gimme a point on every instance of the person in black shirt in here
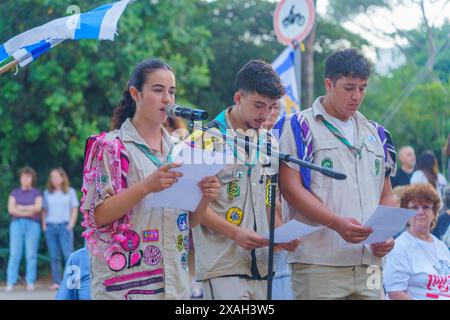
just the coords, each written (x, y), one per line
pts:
(441, 230)
(407, 158)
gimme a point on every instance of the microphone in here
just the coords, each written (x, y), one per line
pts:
(186, 113)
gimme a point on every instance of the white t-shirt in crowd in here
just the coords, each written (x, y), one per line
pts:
(419, 177)
(420, 268)
(347, 128)
(59, 205)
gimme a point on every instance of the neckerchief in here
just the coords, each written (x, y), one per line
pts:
(356, 151)
(152, 157)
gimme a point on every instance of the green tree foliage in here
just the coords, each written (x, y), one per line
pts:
(51, 106)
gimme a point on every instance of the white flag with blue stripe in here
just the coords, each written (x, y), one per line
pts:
(285, 68)
(100, 23)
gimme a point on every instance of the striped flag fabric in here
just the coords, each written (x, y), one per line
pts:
(285, 68)
(100, 23)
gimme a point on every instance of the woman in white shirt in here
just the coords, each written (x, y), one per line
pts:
(58, 219)
(427, 171)
(419, 265)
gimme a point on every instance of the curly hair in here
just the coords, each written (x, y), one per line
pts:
(259, 76)
(422, 192)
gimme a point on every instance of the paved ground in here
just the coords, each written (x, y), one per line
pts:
(42, 292)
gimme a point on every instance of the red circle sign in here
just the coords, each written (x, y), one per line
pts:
(293, 20)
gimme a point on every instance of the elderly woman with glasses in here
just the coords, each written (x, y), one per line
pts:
(419, 265)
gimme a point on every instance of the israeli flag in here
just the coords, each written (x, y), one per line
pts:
(100, 23)
(285, 68)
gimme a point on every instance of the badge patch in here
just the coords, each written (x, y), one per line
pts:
(134, 259)
(268, 203)
(152, 255)
(234, 216)
(239, 175)
(327, 163)
(117, 262)
(151, 235)
(233, 190)
(182, 222)
(184, 260)
(131, 241)
(371, 139)
(186, 243)
(180, 243)
(377, 166)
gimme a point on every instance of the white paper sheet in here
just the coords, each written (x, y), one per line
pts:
(386, 222)
(185, 194)
(291, 231)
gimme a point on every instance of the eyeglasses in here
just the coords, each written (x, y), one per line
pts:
(425, 207)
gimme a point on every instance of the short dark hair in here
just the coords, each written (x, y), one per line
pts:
(347, 63)
(259, 76)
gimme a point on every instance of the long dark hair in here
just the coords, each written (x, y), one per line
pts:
(427, 162)
(127, 106)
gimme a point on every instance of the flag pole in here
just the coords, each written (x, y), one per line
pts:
(8, 66)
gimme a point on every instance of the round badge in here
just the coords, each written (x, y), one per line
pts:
(152, 255)
(327, 163)
(117, 262)
(186, 243)
(239, 175)
(234, 216)
(182, 222)
(184, 260)
(131, 241)
(180, 243)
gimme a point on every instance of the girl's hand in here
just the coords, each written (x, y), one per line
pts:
(162, 178)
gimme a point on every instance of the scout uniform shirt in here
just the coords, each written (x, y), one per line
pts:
(242, 202)
(152, 262)
(355, 197)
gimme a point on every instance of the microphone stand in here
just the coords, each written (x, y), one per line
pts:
(273, 185)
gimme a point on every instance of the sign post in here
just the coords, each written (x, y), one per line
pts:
(293, 21)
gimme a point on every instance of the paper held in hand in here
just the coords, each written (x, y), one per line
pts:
(386, 222)
(291, 231)
(186, 194)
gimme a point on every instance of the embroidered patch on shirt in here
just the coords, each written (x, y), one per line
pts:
(152, 255)
(131, 241)
(117, 262)
(182, 222)
(234, 216)
(151, 235)
(327, 163)
(184, 260)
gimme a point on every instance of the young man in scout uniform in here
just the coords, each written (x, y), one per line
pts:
(231, 256)
(333, 263)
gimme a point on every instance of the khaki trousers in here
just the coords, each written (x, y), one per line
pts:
(234, 288)
(317, 282)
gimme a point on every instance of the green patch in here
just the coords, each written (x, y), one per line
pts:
(233, 190)
(104, 178)
(327, 163)
(377, 166)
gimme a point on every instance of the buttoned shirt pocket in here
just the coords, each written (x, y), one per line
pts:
(231, 183)
(375, 157)
(326, 153)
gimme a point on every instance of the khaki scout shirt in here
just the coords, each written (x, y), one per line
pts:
(153, 262)
(356, 197)
(242, 202)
